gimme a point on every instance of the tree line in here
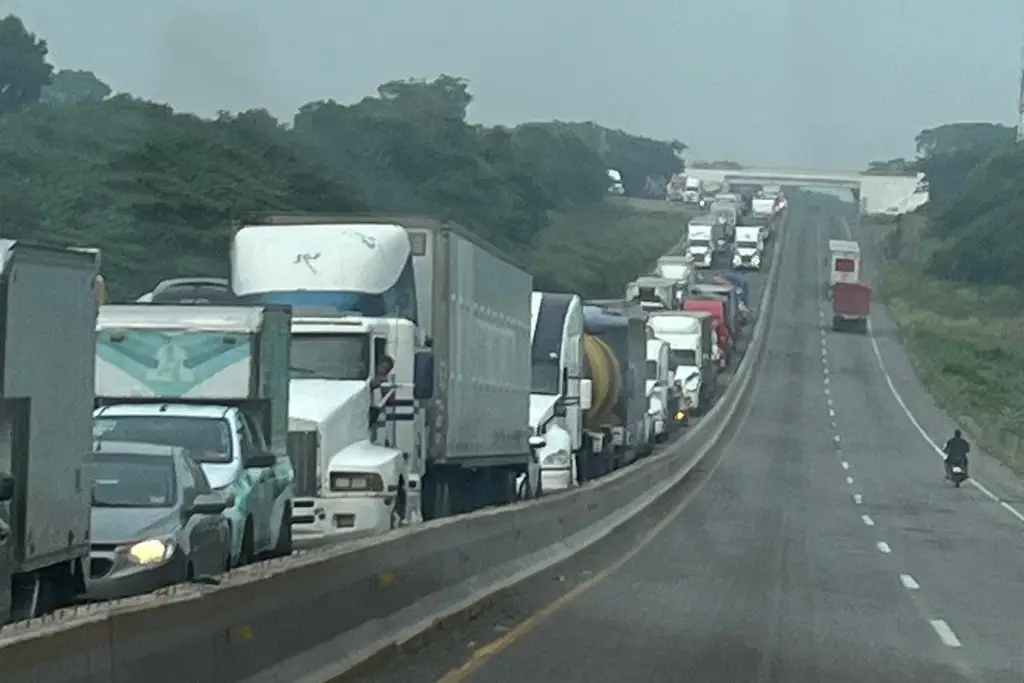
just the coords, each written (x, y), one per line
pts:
(159, 191)
(975, 172)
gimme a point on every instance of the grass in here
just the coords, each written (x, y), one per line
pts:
(967, 344)
(598, 250)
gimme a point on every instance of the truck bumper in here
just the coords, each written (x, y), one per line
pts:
(849, 323)
(556, 479)
(342, 516)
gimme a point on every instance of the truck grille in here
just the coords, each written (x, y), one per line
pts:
(302, 450)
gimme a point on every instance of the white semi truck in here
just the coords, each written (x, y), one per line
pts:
(689, 336)
(560, 394)
(449, 318)
(49, 307)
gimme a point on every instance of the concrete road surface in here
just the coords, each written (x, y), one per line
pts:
(825, 545)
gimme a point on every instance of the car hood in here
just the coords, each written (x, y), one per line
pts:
(127, 525)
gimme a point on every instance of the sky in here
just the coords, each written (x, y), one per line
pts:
(791, 83)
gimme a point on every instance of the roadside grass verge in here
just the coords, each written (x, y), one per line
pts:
(596, 251)
(967, 345)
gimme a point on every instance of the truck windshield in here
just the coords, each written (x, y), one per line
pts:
(330, 356)
(699, 242)
(125, 480)
(746, 244)
(684, 357)
(207, 439)
(652, 369)
(545, 378)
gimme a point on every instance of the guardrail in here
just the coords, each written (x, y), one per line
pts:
(331, 609)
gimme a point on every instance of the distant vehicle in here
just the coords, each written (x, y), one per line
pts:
(615, 187)
(191, 290)
(155, 521)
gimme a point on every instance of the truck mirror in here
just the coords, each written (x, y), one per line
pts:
(558, 410)
(6, 488)
(537, 442)
(423, 376)
(586, 393)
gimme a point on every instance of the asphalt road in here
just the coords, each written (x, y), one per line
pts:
(822, 545)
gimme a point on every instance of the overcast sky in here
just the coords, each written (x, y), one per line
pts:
(807, 83)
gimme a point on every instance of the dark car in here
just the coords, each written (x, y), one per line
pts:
(191, 290)
(155, 520)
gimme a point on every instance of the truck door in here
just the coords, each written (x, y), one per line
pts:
(261, 483)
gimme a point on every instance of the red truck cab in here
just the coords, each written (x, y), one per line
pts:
(718, 323)
(851, 304)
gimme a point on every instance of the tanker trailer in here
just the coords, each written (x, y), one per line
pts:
(626, 338)
(600, 422)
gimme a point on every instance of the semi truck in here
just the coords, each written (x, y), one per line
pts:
(49, 308)
(851, 305)
(213, 380)
(843, 264)
(691, 348)
(560, 394)
(653, 292)
(456, 398)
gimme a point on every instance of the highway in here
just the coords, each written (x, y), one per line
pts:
(822, 544)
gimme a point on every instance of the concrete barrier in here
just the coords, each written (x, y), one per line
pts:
(331, 609)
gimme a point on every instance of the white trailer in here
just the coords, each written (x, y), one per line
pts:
(49, 308)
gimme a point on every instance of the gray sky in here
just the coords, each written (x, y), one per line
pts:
(809, 83)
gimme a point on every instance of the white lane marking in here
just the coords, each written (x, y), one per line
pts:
(913, 420)
(867, 520)
(908, 582)
(832, 424)
(857, 498)
(831, 413)
(884, 547)
(829, 402)
(849, 480)
(827, 391)
(836, 438)
(846, 465)
(945, 633)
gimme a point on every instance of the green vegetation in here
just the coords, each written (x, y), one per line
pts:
(159, 191)
(954, 282)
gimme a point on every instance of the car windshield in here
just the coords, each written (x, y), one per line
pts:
(330, 356)
(132, 480)
(206, 439)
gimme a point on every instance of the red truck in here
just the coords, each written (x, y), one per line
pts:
(851, 303)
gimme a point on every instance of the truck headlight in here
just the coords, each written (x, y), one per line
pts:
(356, 482)
(150, 551)
(756, 261)
(692, 383)
(736, 260)
(556, 459)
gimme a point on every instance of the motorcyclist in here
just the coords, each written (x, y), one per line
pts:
(956, 450)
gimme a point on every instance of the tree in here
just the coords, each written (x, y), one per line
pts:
(24, 70)
(959, 137)
(892, 167)
(69, 86)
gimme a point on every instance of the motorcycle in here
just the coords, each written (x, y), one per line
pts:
(957, 475)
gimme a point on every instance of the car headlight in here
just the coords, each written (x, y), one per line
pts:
(151, 551)
(556, 459)
(356, 482)
(692, 383)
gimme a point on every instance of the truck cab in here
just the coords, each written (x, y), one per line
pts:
(661, 403)
(747, 248)
(344, 439)
(690, 341)
(701, 242)
(559, 394)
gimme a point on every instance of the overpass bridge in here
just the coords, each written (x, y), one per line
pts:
(874, 193)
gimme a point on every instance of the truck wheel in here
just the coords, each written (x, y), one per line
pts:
(437, 495)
